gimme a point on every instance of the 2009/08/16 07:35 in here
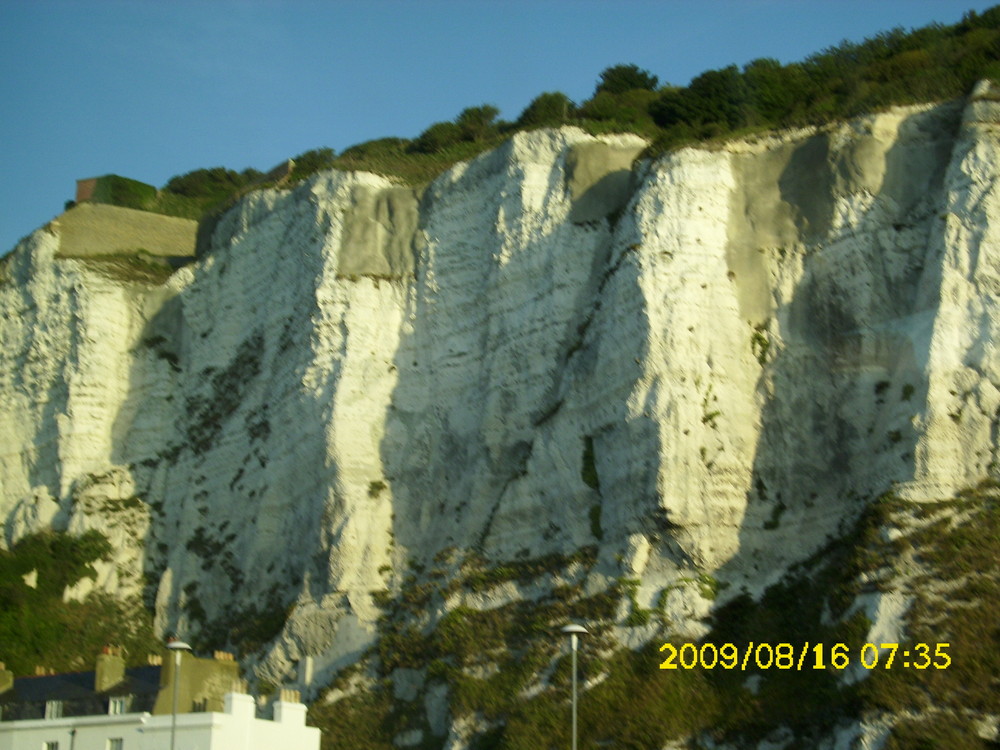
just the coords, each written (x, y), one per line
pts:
(787, 656)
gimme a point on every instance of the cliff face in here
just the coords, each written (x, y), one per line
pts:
(704, 365)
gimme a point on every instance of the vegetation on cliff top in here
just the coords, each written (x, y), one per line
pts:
(932, 63)
(896, 67)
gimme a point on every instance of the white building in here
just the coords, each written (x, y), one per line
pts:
(236, 728)
(116, 707)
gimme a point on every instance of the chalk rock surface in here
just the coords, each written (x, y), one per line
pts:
(702, 365)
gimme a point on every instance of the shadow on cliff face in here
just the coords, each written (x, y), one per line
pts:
(498, 430)
(225, 440)
(856, 240)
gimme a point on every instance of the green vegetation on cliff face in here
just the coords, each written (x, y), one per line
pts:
(945, 558)
(38, 629)
(505, 671)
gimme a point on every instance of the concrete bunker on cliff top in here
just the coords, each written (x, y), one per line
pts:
(100, 224)
(93, 229)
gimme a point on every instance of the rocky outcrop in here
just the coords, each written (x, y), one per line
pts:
(702, 365)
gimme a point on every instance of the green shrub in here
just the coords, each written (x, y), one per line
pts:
(628, 111)
(211, 185)
(38, 628)
(942, 731)
(621, 78)
(715, 98)
(550, 109)
(465, 634)
(772, 90)
(474, 124)
(310, 162)
(478, 123)
(404, 646)
(358, 721)
(436, 138)
(959, 542)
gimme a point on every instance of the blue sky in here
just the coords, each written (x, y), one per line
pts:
(150, 89)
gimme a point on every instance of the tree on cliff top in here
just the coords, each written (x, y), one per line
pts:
(621, 78)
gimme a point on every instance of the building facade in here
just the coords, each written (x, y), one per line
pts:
(234, 728)
(119, 708)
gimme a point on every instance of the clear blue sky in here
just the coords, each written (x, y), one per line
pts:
(153, 88)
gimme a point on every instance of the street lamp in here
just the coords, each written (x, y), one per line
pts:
(573, 631)
(177, 647)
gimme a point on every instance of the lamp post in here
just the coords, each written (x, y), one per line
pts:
(573, 631)
(177, 647)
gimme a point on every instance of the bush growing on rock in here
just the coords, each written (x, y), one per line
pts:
(548, 109)
(437, 137)
(478, 123)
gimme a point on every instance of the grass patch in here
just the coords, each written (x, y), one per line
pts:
(944, 730)
(760, 344)
(479, 577)
(393, 157)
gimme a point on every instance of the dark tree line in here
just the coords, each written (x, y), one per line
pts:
(935, 62)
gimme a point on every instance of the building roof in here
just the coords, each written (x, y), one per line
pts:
(73, 686)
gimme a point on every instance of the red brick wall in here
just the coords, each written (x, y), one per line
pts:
(85, 189)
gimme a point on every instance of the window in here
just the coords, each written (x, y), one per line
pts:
(120, 704)
(116, 743)
(53, 710)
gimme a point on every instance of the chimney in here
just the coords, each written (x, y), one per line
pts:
(288, 710)
(6, 678)
(110, 670)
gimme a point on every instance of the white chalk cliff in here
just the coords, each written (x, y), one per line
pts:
(727, 351)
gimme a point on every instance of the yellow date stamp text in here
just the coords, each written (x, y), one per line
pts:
(804, 656)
